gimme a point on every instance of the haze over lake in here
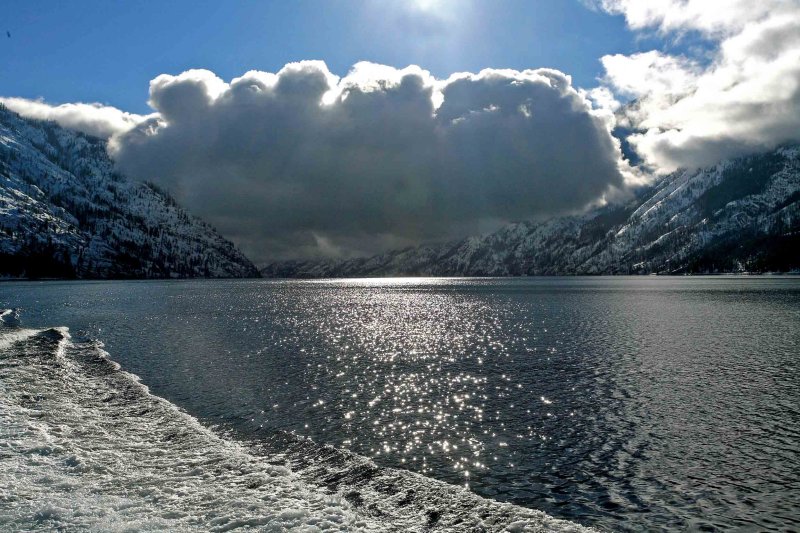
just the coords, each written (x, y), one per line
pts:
(625, 403)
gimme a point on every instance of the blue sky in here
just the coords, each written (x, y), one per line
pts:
(99, 51)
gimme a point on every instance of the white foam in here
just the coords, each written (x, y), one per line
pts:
(83, 445)
(11, 336)
(85, 451)
(9, 317)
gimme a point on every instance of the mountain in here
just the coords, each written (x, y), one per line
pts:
(65, 212)
(740, 215)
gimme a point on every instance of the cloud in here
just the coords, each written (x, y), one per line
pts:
(301, 162)
(693, 112)
(712, 18)
(95, 119)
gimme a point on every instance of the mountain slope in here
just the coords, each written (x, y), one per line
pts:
(739, 215)
(65, 212)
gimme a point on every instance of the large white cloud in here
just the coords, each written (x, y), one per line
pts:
(301, 162)
(712, 17)
(95, 119)
(691, 111)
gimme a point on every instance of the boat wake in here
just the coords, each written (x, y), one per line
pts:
(84, 445)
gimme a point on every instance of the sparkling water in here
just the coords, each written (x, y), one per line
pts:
(620, 403)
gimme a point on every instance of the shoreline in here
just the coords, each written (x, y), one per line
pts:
(411, 277)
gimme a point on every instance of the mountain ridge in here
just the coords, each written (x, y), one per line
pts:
(66, 213)
(740, 215)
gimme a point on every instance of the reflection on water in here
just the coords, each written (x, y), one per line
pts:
(626, 403)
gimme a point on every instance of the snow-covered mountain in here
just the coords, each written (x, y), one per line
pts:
(740, 215)
(65, 212)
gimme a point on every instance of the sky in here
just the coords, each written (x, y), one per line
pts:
(107, 52)
(341, 128)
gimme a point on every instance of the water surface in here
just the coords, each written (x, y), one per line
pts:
(622, 403)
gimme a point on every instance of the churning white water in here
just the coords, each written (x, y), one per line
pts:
(84, 445)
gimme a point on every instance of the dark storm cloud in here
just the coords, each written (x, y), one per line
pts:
(301, 163)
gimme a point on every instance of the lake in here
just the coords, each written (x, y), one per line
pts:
(623, 403)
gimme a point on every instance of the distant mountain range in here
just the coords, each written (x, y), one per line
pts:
(65, 212)
(741, 215)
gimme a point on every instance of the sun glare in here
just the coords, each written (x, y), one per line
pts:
(428, 5)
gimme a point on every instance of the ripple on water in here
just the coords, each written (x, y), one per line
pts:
(623, 403)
